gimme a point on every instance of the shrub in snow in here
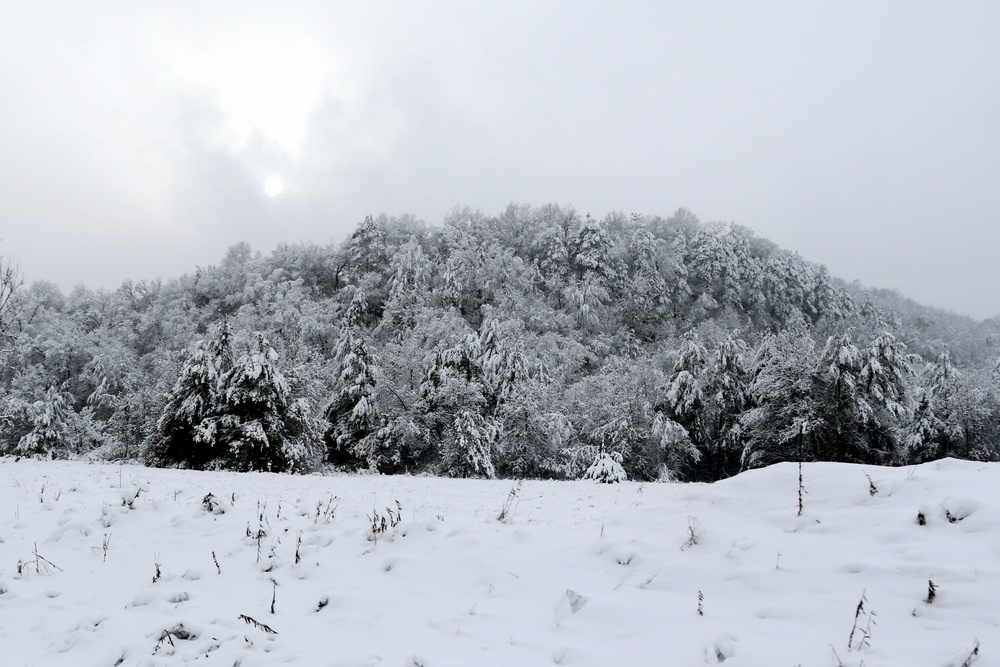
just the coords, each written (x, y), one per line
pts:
(606, 468)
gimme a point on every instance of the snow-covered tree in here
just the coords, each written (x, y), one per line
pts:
(352, 414)
(49, 432)
(260, 423)
(725, 397)
(884, 374)
(469, 452)
(606, 468)
(502, 363)
(230, 413)
(591, 254)
(534, 434)
(685, 396)
(368, 247)
(675, 443)
(11, 281)
(935, 431)
(584, 299)
(410, 288)
(784, 402)
(186, 431)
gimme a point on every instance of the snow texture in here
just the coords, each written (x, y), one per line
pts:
(122, 565)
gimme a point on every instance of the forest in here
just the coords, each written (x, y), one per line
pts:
(537, 343)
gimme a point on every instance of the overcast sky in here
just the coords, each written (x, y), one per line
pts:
(139, 140)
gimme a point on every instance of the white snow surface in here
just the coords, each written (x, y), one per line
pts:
(580, 573)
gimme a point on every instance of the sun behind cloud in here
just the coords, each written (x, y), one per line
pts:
(274, 186)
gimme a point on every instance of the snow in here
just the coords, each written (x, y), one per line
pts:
(578, 573)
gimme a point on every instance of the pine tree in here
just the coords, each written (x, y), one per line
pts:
(256, 411)
(48, 434)
(934, 431)
(352, 414)
(502, 363)
(675, 443)
(646, 299)
(606, 468)
(187, 429)
(469, 453)
(725, 399)
(409, 289)
(592, 254)
(884, 375)
(584, 300)
(685, 397)
(784, 394)
(235, 414)
(368, 248)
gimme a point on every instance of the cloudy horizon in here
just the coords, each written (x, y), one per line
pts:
(142, 141)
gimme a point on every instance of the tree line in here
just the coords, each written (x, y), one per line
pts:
(526, 344)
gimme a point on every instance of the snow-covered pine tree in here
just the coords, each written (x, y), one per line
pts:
(367, 248)
(592, 254)
(645, 296)
(502, 362)
(584, 300)
(924, 435)
(784, 395)
(352, 414)
(884, 374)
(860, 399)
(934, 432)
(186, 431)
(606, 468)
(615, 438)
(725, 398)
(685, 395)
(675, 444)
(411, 273)
(533, 439)
(469, 453)
(48, 434)
(257, 417)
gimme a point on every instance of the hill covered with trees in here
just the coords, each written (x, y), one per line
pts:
(532, 343)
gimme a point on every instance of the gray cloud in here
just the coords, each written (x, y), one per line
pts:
(136, 139)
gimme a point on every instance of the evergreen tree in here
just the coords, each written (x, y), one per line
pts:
(678, 451)
(685, 397)
(352, 414)
(725, 399)
(469, 452)
(48, 434)
(411, 274)
(784, 409)
(368, 251)
(229, 413)
(187, 429)
(592, 254)
(259, 419)
(606, 468)
(502, 363)
(934, 432)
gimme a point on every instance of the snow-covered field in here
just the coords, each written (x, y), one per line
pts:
(105, 565)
